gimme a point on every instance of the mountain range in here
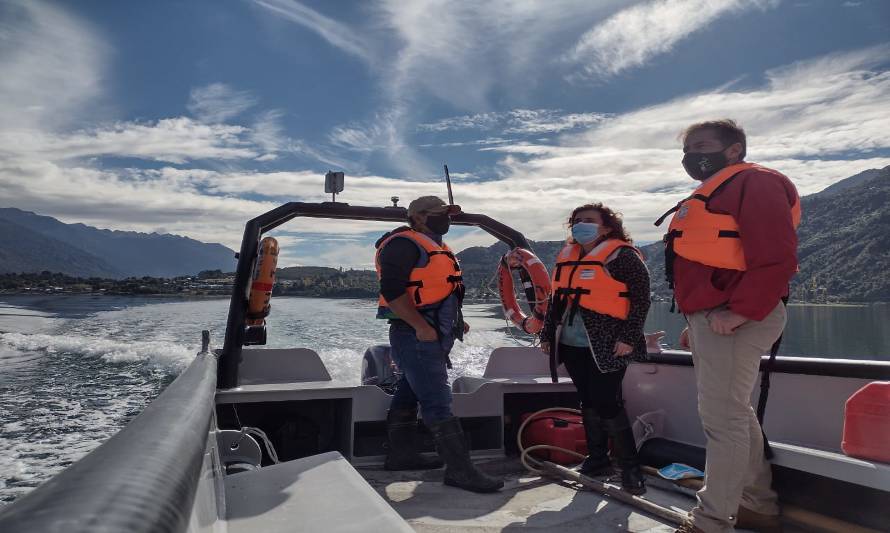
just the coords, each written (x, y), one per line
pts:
(32, 243)
(843, 250)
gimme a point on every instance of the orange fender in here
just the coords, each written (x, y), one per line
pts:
(258, 305)
(535, 282)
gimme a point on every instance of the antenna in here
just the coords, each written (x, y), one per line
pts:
(448, 183)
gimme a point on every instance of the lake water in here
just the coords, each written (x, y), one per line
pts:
(75, 369)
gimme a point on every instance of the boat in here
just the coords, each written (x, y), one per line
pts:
(255, 439)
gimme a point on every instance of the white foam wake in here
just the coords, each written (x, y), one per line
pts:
(167, 355)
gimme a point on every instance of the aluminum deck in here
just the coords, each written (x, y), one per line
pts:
(526, 502)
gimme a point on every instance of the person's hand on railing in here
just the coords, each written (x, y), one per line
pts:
(653, 341)
(684, 339)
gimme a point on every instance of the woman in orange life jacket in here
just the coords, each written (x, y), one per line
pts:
(594, 325)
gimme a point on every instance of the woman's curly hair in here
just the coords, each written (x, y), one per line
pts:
(611, 219)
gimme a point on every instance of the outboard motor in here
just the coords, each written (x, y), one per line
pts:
(379, 369)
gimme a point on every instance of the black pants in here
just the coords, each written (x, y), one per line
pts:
(596, 389)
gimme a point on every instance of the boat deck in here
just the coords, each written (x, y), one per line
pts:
(527, 501)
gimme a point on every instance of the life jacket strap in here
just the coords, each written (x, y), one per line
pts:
(417, 283)
(449, 255)
(670, 211)
(573, 296)
(575, 263)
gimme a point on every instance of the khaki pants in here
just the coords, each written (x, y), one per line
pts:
(726, 370)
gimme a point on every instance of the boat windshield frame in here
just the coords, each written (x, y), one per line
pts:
(230, 355)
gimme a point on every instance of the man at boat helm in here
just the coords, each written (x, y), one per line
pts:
(730, 253)
(421, 293)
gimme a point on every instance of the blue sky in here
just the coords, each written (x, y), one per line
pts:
(192, 117)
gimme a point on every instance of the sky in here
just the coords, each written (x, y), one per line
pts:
(191, 117)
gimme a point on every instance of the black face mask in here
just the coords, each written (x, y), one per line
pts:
(701, 166)
(438, 224)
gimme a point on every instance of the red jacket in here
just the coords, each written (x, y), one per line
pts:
(760, 201)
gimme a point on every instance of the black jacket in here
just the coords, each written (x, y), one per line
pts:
(604, 330)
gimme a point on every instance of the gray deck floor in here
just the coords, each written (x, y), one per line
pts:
(527, 502)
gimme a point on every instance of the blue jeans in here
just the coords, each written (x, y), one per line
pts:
(424, 376)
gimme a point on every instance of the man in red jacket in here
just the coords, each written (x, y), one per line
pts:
(730, 253)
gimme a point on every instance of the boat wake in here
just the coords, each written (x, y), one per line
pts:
(165, 355)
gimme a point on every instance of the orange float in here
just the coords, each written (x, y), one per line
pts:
(535, 282)
(258, 305)
(867, 423)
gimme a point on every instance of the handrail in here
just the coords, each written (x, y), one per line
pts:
(142, 479)
(230, 356)
(841, 368)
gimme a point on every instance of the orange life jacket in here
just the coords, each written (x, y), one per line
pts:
(585, 281)
(712, 239)
(437, 278)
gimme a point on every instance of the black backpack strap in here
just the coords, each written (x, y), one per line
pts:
(764, 388)
(554, 356)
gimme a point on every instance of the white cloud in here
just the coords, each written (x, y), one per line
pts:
(218, 102)
(536, 121)
(459, 51)
(476, 142)
(362, 138)
(174, 140)
(268, 134)
(517, 121)
(818, 121)
(52, 66)
(334, 32)
(477, 121)
(384, 133)
(631, 37)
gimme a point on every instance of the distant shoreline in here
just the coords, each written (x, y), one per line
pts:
(493, 301)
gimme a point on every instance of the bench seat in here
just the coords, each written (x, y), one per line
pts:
(318, 493)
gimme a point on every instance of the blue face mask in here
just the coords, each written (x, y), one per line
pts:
(585, 232)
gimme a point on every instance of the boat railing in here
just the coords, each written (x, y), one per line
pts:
(142, 479)
(813, 366)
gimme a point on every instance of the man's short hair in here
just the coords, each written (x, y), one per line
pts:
(727, 130)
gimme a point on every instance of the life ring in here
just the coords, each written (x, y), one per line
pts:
(536, 283)
(258, 305)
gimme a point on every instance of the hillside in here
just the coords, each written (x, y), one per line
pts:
(24, 250)
(122, 253)
(844, 249)
(479, 264)
(326, 282)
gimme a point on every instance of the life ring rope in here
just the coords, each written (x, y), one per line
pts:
(535, 282)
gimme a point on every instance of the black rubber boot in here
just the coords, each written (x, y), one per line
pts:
(597, 461)
(459, 468)
(624, 450)
(401, 427)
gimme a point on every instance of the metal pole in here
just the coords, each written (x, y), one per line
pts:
(609, 490)
(448, 183)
